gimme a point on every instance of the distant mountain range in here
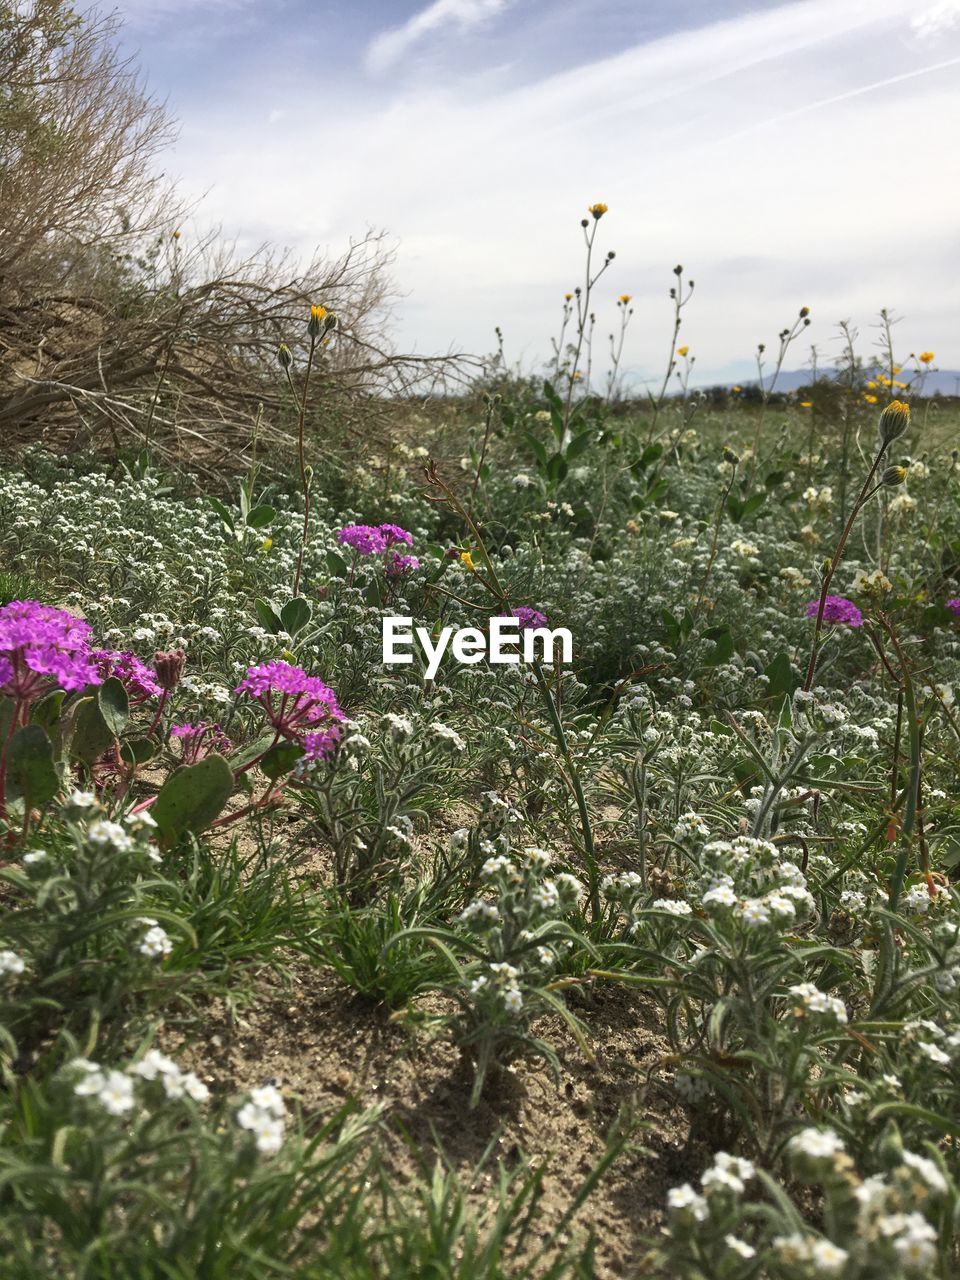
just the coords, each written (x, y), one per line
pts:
(944, 382)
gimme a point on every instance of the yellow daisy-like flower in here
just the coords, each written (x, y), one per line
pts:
(925, 357)
(901, 386)
(871, 386)
(318, 313)
(625, 298)
(736, 390)
(466, 559)
(806, 404)
(568, 297)
(266, 544)
(897, 370)
(577, 375)
(682, 351)
(869, 398)
(598, 209)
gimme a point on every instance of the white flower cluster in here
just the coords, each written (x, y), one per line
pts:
(10, 962)
(155, 943)
(265, 1117)
(114, 1090)
(747, 881)
(808, 998)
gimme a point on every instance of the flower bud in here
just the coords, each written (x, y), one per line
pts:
(285, 355)
(730, 456)
(169, 664)
(330, 321)
(894, 421)
(317, 316)
(894, 476)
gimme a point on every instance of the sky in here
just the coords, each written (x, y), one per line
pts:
(799, 154)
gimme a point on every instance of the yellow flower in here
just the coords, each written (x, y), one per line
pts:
(901, 386)
(925, 357)
(598, 209)
(317, 313)
(567, 297)
(737, 390)
(806, 404)
(871, 386)
(176, 236)
(682, 351)
(266, 544)
(870, 399)
(624, 298)
(577, 375)
(897, 370)
(466, 559)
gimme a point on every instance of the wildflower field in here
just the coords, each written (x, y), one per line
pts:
(642, 963)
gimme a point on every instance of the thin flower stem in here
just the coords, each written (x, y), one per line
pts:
(865, 494)
(301, 459)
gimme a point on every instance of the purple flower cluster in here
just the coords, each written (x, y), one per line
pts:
(400, 564)
(43, 648)
(373, 540)
(300, 707)
(954, 607)
(837, 610)
(394, 534)
(139, 680)
(528, 618)
(364, 538)
(198, 740)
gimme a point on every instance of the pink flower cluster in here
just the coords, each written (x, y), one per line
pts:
(528, 618)
(837, 610)
(139, 680)
(375, 540)
(300, 707)
(43, 648)
(198, 740)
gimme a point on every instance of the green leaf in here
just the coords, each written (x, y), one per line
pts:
(723, 645)
(336, 564)
(268, 617)
(281, 759)
(225, 514)
(734, 508)
(753, 504)
(138, 751)
(92, 736)
(557, 468)
(781, 676)
(295, 615)
(114, 705)
(539, 452)
(31, 774)
(193, 797)
(44, 712)
(260, 516)
(579, 444)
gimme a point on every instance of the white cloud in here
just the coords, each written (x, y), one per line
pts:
(386, 49)
(790, 156)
